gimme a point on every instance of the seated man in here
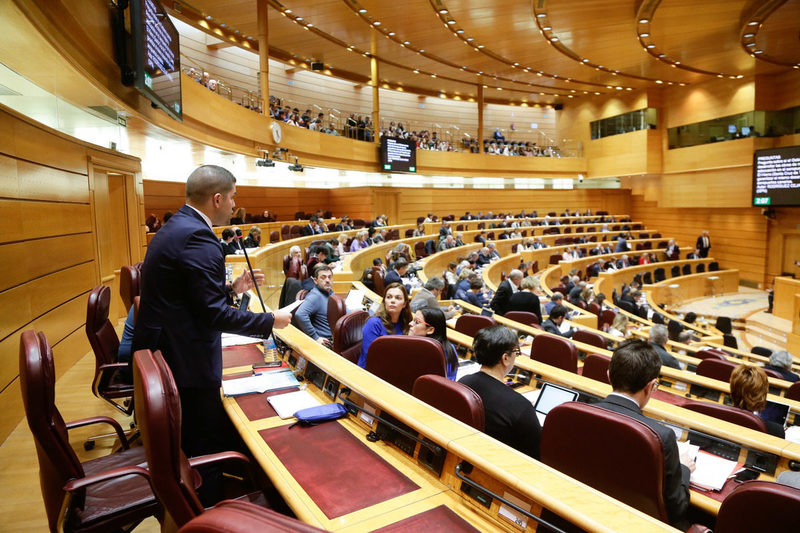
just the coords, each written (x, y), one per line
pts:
(555, 299)
(633, 373)
(483, 258)
(554, 321)
(658, 340)
(429, 295)
(510, 417)
(399, 270)
(228, 247)
(476, 295)
(312, 315)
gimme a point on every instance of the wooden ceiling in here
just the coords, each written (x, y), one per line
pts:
(520, 50)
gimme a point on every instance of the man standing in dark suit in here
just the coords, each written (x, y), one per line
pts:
(502, 297)
(186, 305)
(704, 244)
(633, 373)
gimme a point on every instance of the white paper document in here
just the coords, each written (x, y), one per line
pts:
(258, 383)
(286, 405)
(465, 368)
(232, 339)
(292, 306)
(711, 471)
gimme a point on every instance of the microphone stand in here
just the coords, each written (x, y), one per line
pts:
(250, 268)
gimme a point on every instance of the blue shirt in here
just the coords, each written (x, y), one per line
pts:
(126, 342)
(373, 328)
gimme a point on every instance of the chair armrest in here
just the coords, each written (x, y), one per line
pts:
(201, 460)
(77, 484)
(101, 420)
(108, 366)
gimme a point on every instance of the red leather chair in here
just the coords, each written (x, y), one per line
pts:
(232, 516)
(377, 280)
(102, 494)
(400, 360)
(793, 392)
(716, 369)
(772, 373)
(595, 366)
(274, 236)
(336, 310)
(606, 319)
(590, 337)
(595, 309)
(348, 333)
(472, 324)
(419, 249)
(452, 398)
(297, 269)
(523, 317)
(730, 414)
(759, 506)
(626, 460)
(107, 383)
(130, 283)
(710, 353)
(173, 477)
(556, 351)
(285, 232)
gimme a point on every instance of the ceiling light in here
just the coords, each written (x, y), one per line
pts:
(459, 31)
(541, 15)
(597, 93)
(422, 51)
(740, 76)
(223, 25)
(208, 17)
(376, 23)
(499, 88)
(406, 43)
(433, 75)
(362, 10)
(299, 19)
(516, 64)
(643, 21)
(759, 51)
(470, 39)
(585, 60)
(659, 81)
(480, 46)
(554, 39)
(451, 21)
(677, 62)
(749, 35)
(643, 35)
(547, 28)
(651, 46)
(753, 23)
(662, 55)
(442, 11)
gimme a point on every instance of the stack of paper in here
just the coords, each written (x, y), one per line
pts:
(711, 471)
(286, 405)
(258, 383)
(231, 339)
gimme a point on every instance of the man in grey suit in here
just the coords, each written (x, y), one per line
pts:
(633, 373)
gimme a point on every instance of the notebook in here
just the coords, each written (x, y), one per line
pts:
(552, 396)
(286, 405)
(260, 382)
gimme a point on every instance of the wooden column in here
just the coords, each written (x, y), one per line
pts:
(262, 10)
(480, 116)
(374, 76)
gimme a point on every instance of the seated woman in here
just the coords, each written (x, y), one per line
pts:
(749, 387)
(781, 362)
(526, 299)
(510, 417)
(619, 328)
(420, 231)
(238, 216)
(359, 242)
(392, 318)
(430, 322)
(253, 239)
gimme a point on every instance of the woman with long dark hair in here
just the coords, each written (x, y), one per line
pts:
(430, 322)
(392, 318)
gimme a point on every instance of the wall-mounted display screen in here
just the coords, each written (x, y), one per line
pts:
(776, 177)
(398, 155)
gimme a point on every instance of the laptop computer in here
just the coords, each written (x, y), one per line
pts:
(552, 396)
(775, 412)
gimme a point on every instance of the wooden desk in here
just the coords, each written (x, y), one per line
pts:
(496, 466)
(695, 285)
(783, 303)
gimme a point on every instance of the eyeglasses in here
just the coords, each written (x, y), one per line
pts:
(417, 322)
(516, 352)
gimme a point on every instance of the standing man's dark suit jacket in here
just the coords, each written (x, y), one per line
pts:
(185, 305)
(502, 297)
(676, 475)
(525, 301)
(703, 249)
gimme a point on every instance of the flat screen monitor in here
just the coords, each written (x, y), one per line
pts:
(776, 177)
(157, 56)
(552, 396)
(732, 128)
(398, 155)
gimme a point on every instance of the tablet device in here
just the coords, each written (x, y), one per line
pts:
(485, 311)
(775, 412)
(552, 396)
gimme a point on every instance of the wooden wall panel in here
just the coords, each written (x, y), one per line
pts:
(705, 101)
(23, 261)
(19, 222)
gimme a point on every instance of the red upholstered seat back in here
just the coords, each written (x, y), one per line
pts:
(710, 353)
(297, 269)
(57, 461)
(759, 506)
(102, 338)
(348, 333)
(336, 310)
(606, 318)
(452, 398)
(730, 414)
(793, 392)
(472, 324)
(595, 366)
(232, 516)
(772, 373)
(158, 410)
(626, 460)
(400, 360)
(274, 236)
(377, 280)
(595, 309)
(716, 369)
(556, 351)
(130, 283)
(523, 317)
(590, 337)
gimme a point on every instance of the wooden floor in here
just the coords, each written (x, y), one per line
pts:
(21, 507)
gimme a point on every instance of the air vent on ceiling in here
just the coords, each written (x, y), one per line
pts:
(5, 91)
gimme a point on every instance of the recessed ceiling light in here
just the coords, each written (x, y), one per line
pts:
(470, 39)
(643, 21)
(751, 44)
(659, 81)
(749, 35)
(451, 22)
(677, 62)
(442, 11)
(753, 23)
(651, 46)
(433, 75)
(547, 28)
(516, 64)
(740, 76)
(406, 43)
(223, 25)
(759, 51)
(362, 10)
(662, 55)
(208, 17)
(585, 60)
(499, 88)
(422, 51)
(299, 19)
(480, 46)
(416, 71)
(597, 93)
(392, 34)
(376, 23)
(554, 39)
(541, 15)
(644, 35)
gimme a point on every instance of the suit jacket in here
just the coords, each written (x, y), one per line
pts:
(525, 301)
(307, 230)
(185, 304)
(228, 248)
(703, 249)
(499, 303)
(676, 475)
(672, 252)
(667, 359)
(392, 277)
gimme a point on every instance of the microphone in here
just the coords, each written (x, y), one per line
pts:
(250, 268)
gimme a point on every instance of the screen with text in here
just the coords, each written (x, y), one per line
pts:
(398, 155)
(776, 177)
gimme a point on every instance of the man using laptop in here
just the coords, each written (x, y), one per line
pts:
(633, 373)
(510, 417)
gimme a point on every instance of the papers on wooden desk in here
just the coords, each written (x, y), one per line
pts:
(711, 471)
(261, 382)
(286, 405)
(466, 367)
(232, 339)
